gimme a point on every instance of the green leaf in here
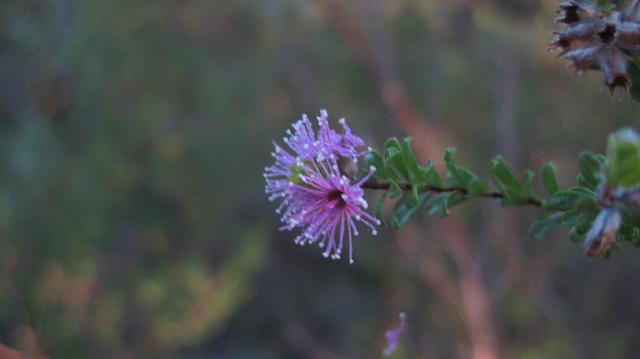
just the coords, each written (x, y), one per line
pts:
(430, 175)
(584, 191)
(570, 217)
(631, 218)
(527, 179)
(590, 169)
(584, 221)
(410, 161)
(462, 177)
(403, 213)
(440, 204)
(606, 5)
(623, 154)
(575, 236)
(477, 187)
(374, 158)
(549, 178)
(394, 188)
(383, 171)
(566, 200)
(628, 233)
(540, 228)
(456, 198)
(449, 161)
(393, 156)
(505, 181)
(414, 197)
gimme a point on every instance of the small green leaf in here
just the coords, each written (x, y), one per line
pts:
(391, 153)
(458, 176)
(570, 217)
(374, 158)
(628, 233)
(394, 188)
(606, 5)
(583, 191)
(504, 179)
(430, 175)
(456, 198)
(410, 161)
(440, 204)
(527, 178)
(542, 227)
(566, 200)
(393, 156)
(477, 187)
(549, 178)
(414, 197)
(392, 142)
(623, 154)
(584, 221)
(575, 236)
(403, 213)
(590, 168)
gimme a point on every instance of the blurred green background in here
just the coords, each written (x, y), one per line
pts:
(133, 222)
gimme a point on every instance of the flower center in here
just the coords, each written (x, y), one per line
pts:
(336, 195)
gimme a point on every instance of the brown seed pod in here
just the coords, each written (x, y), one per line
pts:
(589, 37)
(602, 235)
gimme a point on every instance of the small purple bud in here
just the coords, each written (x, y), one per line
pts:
(393, 336)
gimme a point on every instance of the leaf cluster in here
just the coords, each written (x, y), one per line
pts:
(577, 207)
(416, 188)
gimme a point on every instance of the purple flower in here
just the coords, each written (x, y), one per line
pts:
(317, 194)
(393, 336)
(308, 147)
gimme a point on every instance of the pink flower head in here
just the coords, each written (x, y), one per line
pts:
(316, 196)
(326, 207)
(307, 146)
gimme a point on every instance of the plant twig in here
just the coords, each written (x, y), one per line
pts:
(428, 188)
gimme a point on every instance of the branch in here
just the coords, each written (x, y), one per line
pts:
(426, 188)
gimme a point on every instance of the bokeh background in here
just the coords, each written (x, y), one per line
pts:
(133, 222)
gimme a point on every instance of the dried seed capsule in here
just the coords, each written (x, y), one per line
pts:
(602, 235)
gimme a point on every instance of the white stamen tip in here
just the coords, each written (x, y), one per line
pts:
(374, 232)
(364, 203)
